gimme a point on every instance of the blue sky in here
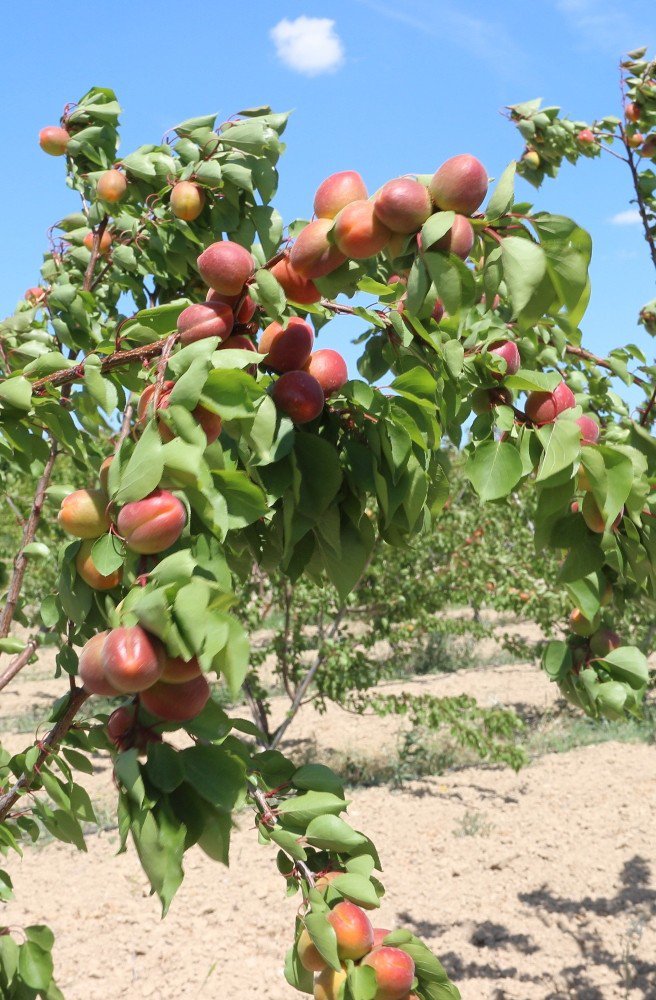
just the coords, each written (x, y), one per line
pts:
(379, 86)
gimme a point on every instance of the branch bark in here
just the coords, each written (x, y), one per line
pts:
(51, 742)
(18, 663)
(29, 533)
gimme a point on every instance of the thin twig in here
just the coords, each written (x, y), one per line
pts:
(18, 663)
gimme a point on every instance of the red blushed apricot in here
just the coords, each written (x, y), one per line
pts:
(438, 311)
(586, 136)
(299, 396)
(187, 200)
(506, 349)
(459, 239)
(353, 930)
(308, 954)
(632, 112)
(238, 342)
(129, 659)
(83, 514)
(287, 348)
(246, 310)
(90, 667)
(125, 731)
(111, 186)
(105, 242)
(395, 972)
(205, 319)
(175, 670)
(590, 430)
(544, 407)
(327, 986)
(380, 933)
(53, 140)
(86, 569)
(312, 255)
(329, 369)
(337, 191)
(177, 702)
(358, 232)
(294, 285)
(226, 267)
(635, 140)
(36, 294)
(153, 524)
(460, 184)
(403, 205)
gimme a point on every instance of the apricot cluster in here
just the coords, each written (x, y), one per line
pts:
(358, 941)
(129, 660)
(147, 526)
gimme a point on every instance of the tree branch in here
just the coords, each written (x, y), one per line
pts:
(29, 533)
(18, 663)
(51, 742)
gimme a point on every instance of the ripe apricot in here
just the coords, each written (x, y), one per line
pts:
(403, 205)
(177, 702)
(458, 240)
(337, 191)
(83, 514)
(90, 667)
(54, 139)
(312, 255)
(358, 231)
(104, 244)
(353, 930)
(130, 661)
(153, 524)
(86, 569)
(590, 429)
(395, 972)
(287, 348)
(294, 285)
(111, 186)
(187, 200)
(205, 319)
(329, 369)
(308, 954)
(210, 422)
(508, 350)
(544, 407)
(459, 185)
(226, 267)
(299, 396)
(327, 986)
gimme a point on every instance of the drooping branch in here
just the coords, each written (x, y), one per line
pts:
(29, 533)
(47, 746)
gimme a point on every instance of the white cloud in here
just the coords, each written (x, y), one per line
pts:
(602, 24)
(630, 217)
(308, 45)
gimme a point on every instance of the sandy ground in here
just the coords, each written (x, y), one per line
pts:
(536, 886)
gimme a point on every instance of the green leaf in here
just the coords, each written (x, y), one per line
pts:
(332, 833)
(35, 966)
(319, 778)
(107, 554)
(628, 664)
(144, 469)
(435, 228)
(216, 774)
(323, 936)
(304, 808)
(524, 267)
(494, 469)
(164, 767)
(503, 194)
(562, 445)
(16, 392)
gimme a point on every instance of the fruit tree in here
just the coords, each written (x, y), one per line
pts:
(169, 355)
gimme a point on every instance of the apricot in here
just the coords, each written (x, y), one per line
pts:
(508, 350)
(329, 369)
(636, 140)
(593, 516)
(238, 342)
(129, 659)
(36, 294)
(327, 986)
(403, 205)
(590, 430)
(586, 136)
(175, 670)
(86, 569)
(648, 148)
(287, 348)
(532, 159)
(226, 267)
(324, 880)
(604, 641)
(353, 930)
(632, 111)
(308, 954)
(294, 285)
(187, 200)
(105, 242)
(312, 255)
(119, 725)
(205, 319)
(380, 933)
(458, 240)
(177, 702)
(112, 185)
(53, 140)
(338, 191)
(103, 474)
(395, 972)
(153, 524)
(83, 514)
(90, 667)
(459, 185)
(358, 232)
(544, 407)
(210, 422)
(581, 625)
(299, 396)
